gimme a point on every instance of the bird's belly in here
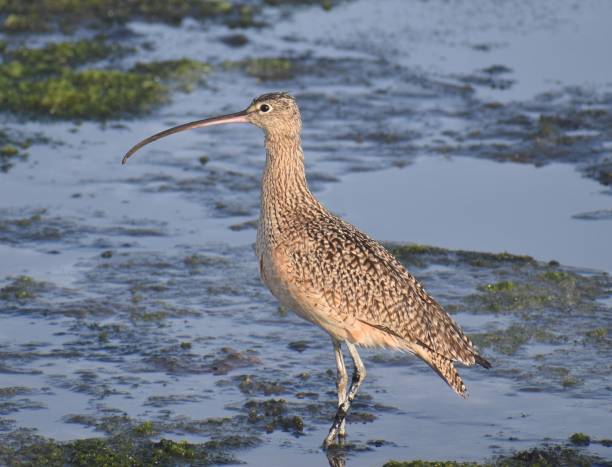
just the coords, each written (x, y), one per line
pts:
(312, 306)
(306, 303)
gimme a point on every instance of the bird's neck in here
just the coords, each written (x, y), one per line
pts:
(285, 196)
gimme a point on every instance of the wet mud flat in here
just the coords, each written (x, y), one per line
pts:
(144, 341)
(133, 326)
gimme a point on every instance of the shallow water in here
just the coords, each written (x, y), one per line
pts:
(142, 258)
(481, 205)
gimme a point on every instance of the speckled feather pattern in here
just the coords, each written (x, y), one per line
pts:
(337, 277)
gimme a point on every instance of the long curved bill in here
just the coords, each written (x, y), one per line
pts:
(238, 117)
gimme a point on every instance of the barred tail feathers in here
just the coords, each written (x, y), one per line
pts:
(445, 369)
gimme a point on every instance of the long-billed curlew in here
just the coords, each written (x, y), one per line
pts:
(329, 272)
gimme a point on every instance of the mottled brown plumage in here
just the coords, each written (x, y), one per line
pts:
(333, 275)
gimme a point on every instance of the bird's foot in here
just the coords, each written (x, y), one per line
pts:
(336, 435)
(329, 440)
(338, 428)
(333, 439)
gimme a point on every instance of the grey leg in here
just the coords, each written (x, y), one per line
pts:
(358, 377)
(341, 381)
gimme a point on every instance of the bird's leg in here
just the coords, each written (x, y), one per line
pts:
(341, 381)
(358, 376)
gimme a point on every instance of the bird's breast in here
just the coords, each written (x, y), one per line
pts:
(273, 270)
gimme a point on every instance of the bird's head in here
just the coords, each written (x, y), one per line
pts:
(276, 113)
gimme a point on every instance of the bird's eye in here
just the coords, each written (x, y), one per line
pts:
(264, 107)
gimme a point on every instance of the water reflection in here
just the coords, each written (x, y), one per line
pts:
(336, 457)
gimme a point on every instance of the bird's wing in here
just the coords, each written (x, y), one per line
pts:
(359, 278)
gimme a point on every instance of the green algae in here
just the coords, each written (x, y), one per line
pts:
(546, 300)
(508, 341)
(271, 415)
(195, 260)
(537, 290)
(21, 288)
(553, 129)
(267, 69)
(415, 254)
(8, 150)
(580, 439)
(601, 171)
(243, 17)
(547, 456)
(504, 286)
(120, 451)
(264, 69)
(250, 384)
(599, 335)
(97, 452)
(419, 463)
(411, 249)
(150, 316)
(45, 82)
(420, 255)
(145, 428)
(184, 72)
(53, 57)
(552, 456)
(181, 449)
(89, 94)
(12, 406)
(569, 381)
(14, 145)
(67, 15)
(556, 276)
(132, 439)
(325, 4)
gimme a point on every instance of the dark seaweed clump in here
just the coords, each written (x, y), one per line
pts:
(564, 132)
(132, 448)
(21, 288)
(548, 456)
(14, 145)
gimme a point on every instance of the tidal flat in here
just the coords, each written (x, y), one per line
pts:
(134, 328)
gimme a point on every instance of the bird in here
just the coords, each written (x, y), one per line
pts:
(329, 272)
